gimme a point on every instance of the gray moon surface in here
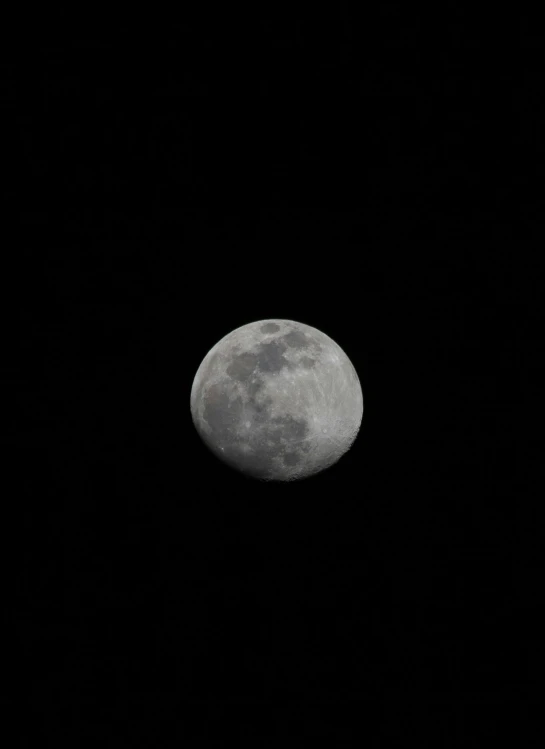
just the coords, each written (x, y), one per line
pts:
(277, 400)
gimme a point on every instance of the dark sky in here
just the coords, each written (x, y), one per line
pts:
(174, 181)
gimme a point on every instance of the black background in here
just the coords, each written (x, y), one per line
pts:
(372, 177)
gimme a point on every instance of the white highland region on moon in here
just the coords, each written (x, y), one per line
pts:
(277, 400)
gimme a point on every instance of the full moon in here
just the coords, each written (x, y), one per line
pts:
(277, 400)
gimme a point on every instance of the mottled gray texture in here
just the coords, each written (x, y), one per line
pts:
(277, 399)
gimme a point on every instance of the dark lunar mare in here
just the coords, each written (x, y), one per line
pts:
(296, 339)
(274, 443)
(224, 414)
(242, 366)
(270, 327)
(221, 413)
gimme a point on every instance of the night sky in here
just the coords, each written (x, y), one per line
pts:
(172, 181)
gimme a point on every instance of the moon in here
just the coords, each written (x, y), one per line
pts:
(277, 400)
